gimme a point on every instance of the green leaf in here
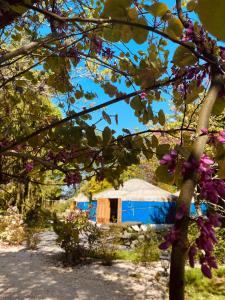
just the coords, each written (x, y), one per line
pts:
(116, 8)
(106, 136)
(155, 141)
(221, 172)
(163, 175)
(162, 118)
(219, 106)
(91, 137)
(184, 57)
(162, 149)
(78, 94)
(106, 117)
(211, 14)
(174, 28)
(136, 104)
(140, 35)
(191, 5)
(157, 9)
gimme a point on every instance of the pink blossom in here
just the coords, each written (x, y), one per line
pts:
(204, 130)
(206, 271)
(143, 95)
(169, 160)
(29, 166)
(221, 137)
(191, 254)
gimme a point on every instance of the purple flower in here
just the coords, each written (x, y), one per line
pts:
(191, 255)
(73, 178)
(204, 130)
(221, 137)
(143, 95)
(169, 160)
(29, 166)
(206, 271)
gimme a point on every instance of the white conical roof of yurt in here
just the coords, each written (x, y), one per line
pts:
(136, 190)
(81, 198)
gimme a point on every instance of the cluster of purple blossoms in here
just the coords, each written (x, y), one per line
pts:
(189, 32)
(71, 52)
(205, 242)
(170, 160)
(107, 53)
(73, 178)
(62, 156)
(211, 189)
(170, 238)
(97, 47)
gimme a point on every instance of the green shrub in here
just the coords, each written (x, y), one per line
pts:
(38, 217)
(76, 235)
(147, 246)
(60, 207)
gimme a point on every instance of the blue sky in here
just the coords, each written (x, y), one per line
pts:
(126, 115)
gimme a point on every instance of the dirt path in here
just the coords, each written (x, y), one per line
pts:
(38, 275)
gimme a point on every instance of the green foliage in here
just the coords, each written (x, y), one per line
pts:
(184, 57)
(211, 14)
(70, 229)
(157, 9)
(199, 287)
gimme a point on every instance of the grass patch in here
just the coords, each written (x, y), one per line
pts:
(199, 287)
(127, 255)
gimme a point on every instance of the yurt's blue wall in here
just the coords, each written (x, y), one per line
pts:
(152, 212)
(85, 206)
(145, 212)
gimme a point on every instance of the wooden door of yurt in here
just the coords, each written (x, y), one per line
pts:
(103, 211)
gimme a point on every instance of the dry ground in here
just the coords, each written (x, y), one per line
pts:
(39, 275)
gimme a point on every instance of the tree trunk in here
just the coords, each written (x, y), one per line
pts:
(179, 249)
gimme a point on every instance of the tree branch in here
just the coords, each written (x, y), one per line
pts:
(86, 111)
(182, 18)
(116, 21)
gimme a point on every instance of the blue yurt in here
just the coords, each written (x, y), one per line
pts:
(137, 201)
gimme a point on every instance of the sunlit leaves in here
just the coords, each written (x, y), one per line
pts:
(211, 14)
(174, 28)
(139, 34)
(116, 8)
(157, 9)
(191, 5)
(109, 89)
(184, 57)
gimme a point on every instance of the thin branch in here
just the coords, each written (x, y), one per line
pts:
(181, 16)
(116, 21)
(41, 161)
(86, 111)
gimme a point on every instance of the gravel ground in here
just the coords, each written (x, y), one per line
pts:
(39, 275)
